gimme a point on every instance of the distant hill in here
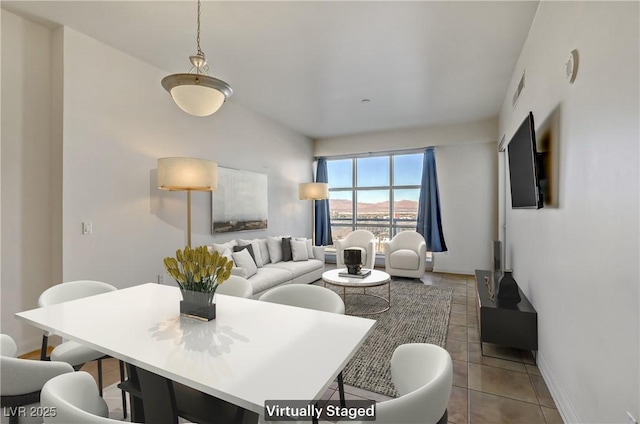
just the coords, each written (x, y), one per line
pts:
(341, 205)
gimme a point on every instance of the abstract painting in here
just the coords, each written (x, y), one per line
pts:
(240, 201)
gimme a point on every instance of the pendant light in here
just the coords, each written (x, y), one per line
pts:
(196, 92)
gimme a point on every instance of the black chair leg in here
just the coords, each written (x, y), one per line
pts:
(124, 395)
(43, 349)
(341, 390)
(100, 376)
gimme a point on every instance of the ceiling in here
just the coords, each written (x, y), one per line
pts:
(309, 65)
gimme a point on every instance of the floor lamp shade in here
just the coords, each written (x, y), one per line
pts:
(187, 174)
(313, 191)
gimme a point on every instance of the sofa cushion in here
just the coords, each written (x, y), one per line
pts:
(256, 252)
(268, 277)
(286, 249)
(244, 260)
(298, 268)
(248, 248)
(404, 259)
(309, 245)
(224, 249)
(264, 251)
(299, 250)
(275, 248)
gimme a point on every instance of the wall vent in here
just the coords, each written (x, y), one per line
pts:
(519, 89)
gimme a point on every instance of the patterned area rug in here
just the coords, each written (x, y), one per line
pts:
(418, 314)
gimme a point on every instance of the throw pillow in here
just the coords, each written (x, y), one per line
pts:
(220, 248)
(257, 254)
(299, 250)
(264, 251)
(286, 249)
(249, 249)
(275, 249)
(244, 260)
(309, 247)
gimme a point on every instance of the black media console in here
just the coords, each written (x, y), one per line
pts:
(506, 325)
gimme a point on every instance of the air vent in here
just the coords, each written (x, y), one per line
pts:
(516, 95)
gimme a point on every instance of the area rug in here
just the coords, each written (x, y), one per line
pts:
(418, 314)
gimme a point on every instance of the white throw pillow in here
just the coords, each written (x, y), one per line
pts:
(244, 260)
(275, 249)
(220, 248)
(257, 253)
(299, 250)
(309, 247)
(264, 251)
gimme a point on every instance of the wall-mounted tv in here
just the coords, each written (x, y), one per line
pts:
(523, 167)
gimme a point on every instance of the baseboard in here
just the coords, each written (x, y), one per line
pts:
(565, 408)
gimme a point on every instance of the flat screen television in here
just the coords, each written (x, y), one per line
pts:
(523, 167)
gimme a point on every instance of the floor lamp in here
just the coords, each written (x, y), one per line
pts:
(313, 191)
(187, 174)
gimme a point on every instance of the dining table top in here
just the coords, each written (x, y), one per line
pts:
(251, 352)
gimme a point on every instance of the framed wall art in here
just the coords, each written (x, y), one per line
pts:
(240, 201)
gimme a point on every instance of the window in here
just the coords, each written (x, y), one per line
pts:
(377, 193)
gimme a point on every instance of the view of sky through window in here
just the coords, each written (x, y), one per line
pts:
(385, 190)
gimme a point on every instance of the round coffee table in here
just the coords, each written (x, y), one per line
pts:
(375, 279)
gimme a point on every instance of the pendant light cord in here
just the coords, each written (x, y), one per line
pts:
(198, 34)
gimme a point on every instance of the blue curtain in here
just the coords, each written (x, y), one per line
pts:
(323, 223)
(429, 220)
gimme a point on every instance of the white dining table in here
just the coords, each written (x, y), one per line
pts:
(251, 352)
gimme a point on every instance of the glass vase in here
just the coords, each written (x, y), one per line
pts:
(198, 305)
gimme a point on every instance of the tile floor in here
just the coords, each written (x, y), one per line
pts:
(505, 387)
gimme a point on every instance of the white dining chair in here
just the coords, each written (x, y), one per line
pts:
(306, 296)
(75, 399)
(362, 240)
(71, 352)
(22, 379)
(236, 286)
(310, 297)
(423, 376)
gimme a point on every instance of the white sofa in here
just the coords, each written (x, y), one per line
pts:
(268, 270)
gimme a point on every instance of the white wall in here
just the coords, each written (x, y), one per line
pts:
(578, 263)
(117, 121)
(466, 165)
(26, 171)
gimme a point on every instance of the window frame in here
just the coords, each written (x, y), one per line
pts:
(391, 224)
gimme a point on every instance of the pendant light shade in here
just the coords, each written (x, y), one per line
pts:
(196, 92)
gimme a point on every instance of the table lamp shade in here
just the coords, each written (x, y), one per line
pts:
(187, 174)
(313, 191)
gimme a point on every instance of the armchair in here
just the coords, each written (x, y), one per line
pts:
(405, 255)
(359, 239)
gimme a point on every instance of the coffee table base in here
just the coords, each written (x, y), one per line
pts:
(364, 293)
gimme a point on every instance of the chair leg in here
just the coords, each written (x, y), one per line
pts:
(100, 376)
(43, 349)
(341, 390)
(124, 395)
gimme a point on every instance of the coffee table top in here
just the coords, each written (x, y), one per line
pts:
(376, 278)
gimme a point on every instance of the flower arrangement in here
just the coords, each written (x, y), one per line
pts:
(197, 270)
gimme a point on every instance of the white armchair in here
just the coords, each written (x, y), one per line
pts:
(406, 255)
(363, 240)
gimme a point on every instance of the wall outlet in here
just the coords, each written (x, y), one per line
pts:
(632, 420)
(160, 278)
